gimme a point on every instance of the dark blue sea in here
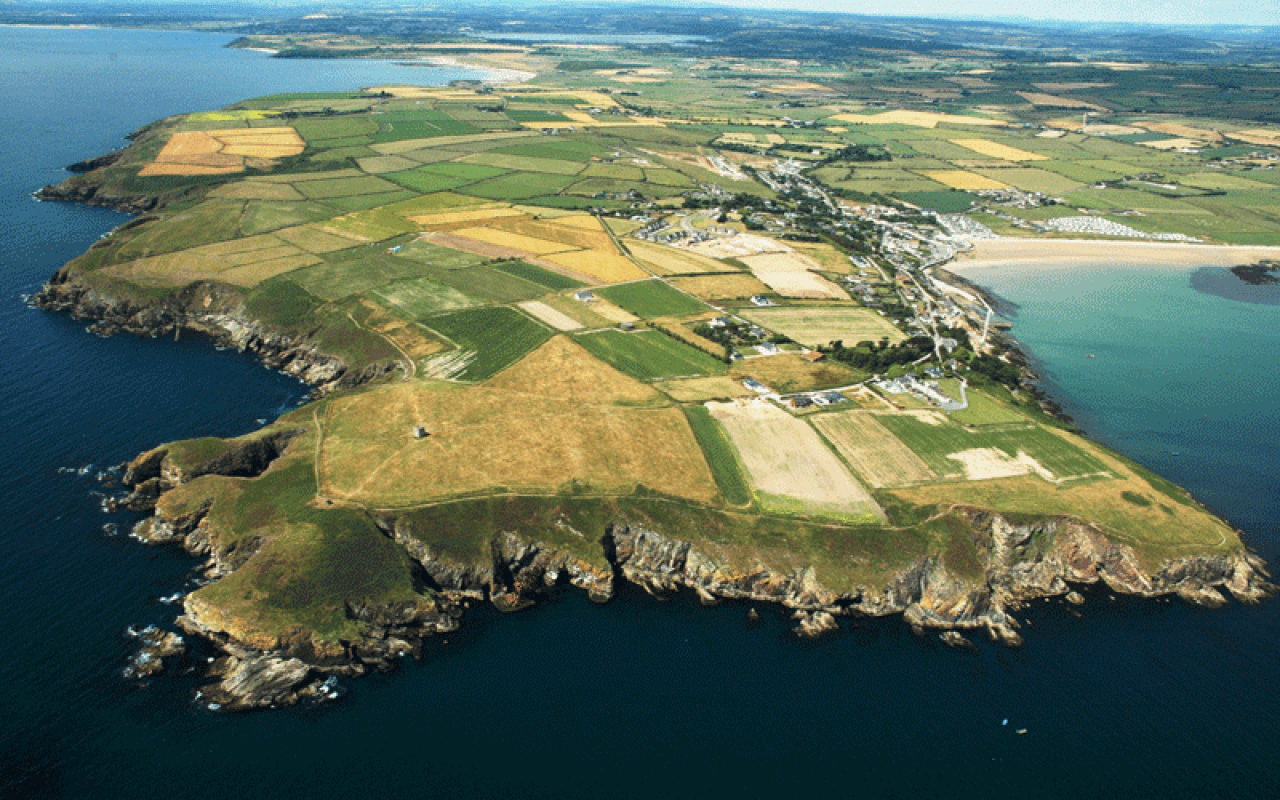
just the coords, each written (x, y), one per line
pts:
(634, 699)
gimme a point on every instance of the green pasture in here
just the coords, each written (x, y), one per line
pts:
(491, 284)
(398, 126)
(933, 443)
(354, 271)
(421, 180)
(652, 298)
(553, 166)
(722, 459)
(649, 355)
(344, 187)
(420, 297)
(519, 186)
(545, 278)
(500, 336)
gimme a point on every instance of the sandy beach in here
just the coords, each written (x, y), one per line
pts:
(493, 74)
(1006, 252)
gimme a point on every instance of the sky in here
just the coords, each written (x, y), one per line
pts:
(1159, 12)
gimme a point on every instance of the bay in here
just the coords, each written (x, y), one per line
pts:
(631, 699)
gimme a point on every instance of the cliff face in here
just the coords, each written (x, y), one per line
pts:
(1019, 561)
(211, 310)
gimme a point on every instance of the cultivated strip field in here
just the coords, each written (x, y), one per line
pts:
(821, 325)
(954, 452)
(736, 286)
(672, 261)
(874, 453)
(556, 319)
(789, 466)
(221, 152)
(649, 355)
(1001, 151)
(788, 274)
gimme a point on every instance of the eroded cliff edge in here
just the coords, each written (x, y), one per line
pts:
(271, 659)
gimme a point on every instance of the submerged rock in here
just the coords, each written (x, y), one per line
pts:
(155, 645)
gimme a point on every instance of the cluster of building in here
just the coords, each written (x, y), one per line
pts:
(1106, 227)
(926, 389)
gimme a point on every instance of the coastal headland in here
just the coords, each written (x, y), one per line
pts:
(560, 339)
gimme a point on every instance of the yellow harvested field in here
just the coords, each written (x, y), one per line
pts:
(556, 319)
(188, 169)
(556, 231)
(790, 467)
(609, 312)
(960, 179)
(603, 267)
(788, 274)
(479, 214)
(250, 275)
(673, 261)
(221, 152)
(700, 390)
(719, 287)
(1054, 101)
(1173, 144)
(584, 221)
(920, 119)
(820, 325)
(1260, 136)
(315, 239)
(829, 258)
(997, 150)
(1184, 131)
(515, 241)
(261, 150)
(879, 457)
(796, 86)
(557, 417)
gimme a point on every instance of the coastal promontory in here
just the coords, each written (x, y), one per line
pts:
(561, 339)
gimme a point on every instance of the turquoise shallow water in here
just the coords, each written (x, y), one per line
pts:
(633, 699)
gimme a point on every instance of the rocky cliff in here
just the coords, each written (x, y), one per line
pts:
(1020, 561)
(212, 310)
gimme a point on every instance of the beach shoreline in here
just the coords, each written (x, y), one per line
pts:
(1009, 252)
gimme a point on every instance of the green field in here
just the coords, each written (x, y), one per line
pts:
(652, 298)
(354, 271)
(403, 125)
(649, 355)
(491, 284)
(982, 409)
(519, 186)
(420, 297)
(422, 180)
(344, 187)
(720, 456)
(934, 443)
(553, 166)
(537, 275)
(498, 335)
